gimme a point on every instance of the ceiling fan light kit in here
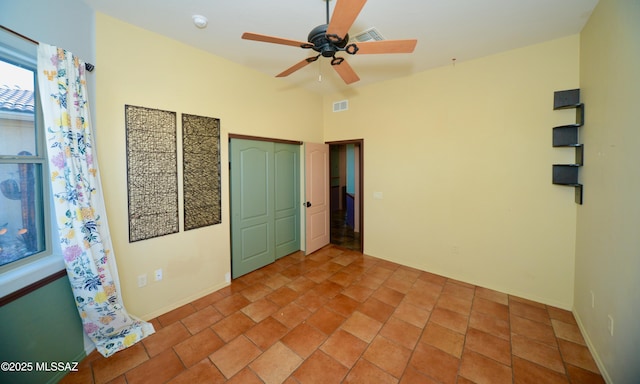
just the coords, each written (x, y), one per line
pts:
(333, 37)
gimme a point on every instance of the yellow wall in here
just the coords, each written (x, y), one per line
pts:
(136, 67)
(463, 158)
(608, 236)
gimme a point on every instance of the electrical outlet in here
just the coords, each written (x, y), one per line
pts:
(142, 280)
(227, 277)
(610, 325)
(158, 274)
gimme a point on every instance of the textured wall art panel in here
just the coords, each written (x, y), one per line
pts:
(201, 164)
(152, 172)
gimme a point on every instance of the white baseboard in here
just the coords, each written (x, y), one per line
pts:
(592, 349)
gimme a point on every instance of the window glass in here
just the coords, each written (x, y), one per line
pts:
(22, 211)
(17, 127)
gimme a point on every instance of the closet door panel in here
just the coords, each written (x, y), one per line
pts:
(287, 198)
(252, 205)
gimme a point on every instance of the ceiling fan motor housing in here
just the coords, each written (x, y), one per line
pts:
(326, 45)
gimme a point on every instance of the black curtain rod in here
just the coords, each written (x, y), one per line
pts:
(88, 66)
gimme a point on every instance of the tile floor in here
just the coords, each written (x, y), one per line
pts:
(341, 316)
(343, 235)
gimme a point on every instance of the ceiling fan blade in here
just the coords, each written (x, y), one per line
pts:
(344, 14)
(295, 67)
(272, 39)
(346, 72)
(386, 46)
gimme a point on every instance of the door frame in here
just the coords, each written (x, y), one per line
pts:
(260, 138)
(360, 186)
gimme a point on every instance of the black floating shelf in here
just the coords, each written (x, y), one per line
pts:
(578, 191)
(579, 114)
(566, 174)
(566, 99)
(568, 136)
(579, 154)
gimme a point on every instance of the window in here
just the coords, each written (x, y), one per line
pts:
(24, 192)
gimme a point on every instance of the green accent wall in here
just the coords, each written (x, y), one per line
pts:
(43, 326)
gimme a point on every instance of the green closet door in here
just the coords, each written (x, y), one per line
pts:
(265, 203)
(287, 199)
(252, 205)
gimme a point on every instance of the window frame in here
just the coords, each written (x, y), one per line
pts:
(29, 270)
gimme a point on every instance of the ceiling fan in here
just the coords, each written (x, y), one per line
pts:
(331, 38)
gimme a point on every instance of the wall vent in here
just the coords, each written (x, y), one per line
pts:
(371, 34)
(340, 106)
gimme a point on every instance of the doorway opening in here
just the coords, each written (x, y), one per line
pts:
(346, 174)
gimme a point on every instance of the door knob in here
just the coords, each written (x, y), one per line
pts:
(308, 204)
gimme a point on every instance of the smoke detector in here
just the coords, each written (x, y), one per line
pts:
(200, 21)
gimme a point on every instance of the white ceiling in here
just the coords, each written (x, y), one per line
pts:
(445, 29)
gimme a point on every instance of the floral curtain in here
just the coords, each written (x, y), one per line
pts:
(79, 205)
